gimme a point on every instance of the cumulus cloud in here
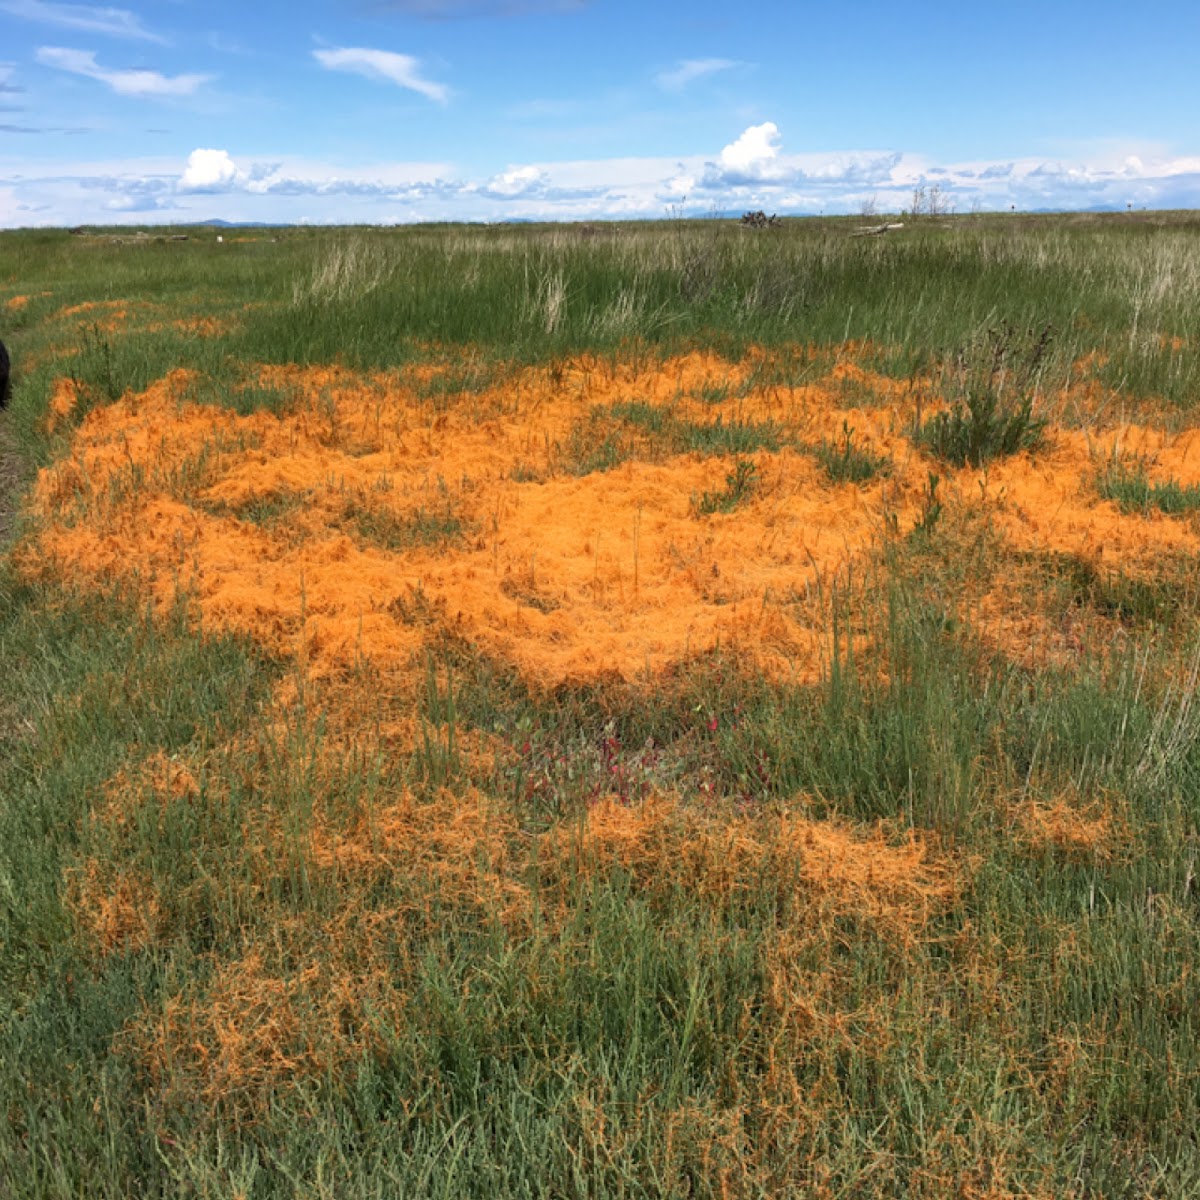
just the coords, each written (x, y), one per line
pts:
(690, 69)
(216, 172)
(678, 186)
(400, 69)
(139, 83)
(517, 181)
(87, 18)
(846, 170)
(752, 153)
(753, 171)
(208, 171)
(522, 190)
(754, 167)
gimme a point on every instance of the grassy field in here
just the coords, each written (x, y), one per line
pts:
(609, 711)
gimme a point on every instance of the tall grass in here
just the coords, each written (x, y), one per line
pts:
(265, 949)
(373, 298)
(634, 1032)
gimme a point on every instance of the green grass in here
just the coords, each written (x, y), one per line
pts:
(1131, 489)
(846, 462)
(633, 429)
(423, 528)
(1063, 993)
(740, 484)
(203, 992)
(631, 1032)
(934, 290)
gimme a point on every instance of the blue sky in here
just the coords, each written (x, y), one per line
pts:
(403, 110)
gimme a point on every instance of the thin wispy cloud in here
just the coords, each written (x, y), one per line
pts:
(223, 43)
(383, 66)
(533, 110)
(130, 82)
(65, 130)
(445, 10)
(85, 18)
(690, 69)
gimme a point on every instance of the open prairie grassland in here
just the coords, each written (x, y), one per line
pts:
(664, 710)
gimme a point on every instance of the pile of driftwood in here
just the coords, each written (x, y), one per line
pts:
(140, 238)
(877, 230)
(760, 220)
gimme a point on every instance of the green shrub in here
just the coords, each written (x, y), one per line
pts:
(981, 428)
(995, 378)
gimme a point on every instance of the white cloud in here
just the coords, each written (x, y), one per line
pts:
(215, 172)
(448, 9)
(517, 181)
(125, 82)
(88, 18)
(752, 153)
(208, 171)
(214, 184)
(679, 185)
(137, 204)
(400, 69)
(754, 167)
(691, 69)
